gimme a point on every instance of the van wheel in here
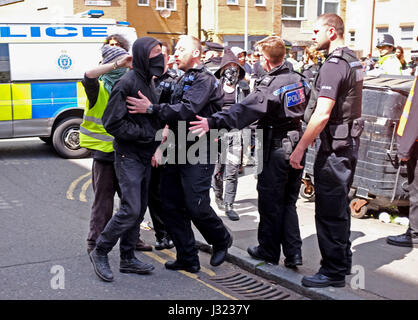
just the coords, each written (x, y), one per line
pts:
(47, 140)
(66, 141)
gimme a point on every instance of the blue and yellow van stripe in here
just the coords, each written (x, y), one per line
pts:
(20, 101)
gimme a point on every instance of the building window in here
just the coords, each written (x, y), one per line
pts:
(328, 6)
(382, 30)
(143, 2)
(231, 1)
(260, 3)
(407, 34)
(166, 4)
(293, 9)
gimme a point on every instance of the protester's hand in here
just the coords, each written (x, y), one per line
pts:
(199, 127)
(138, 105)
(126, 62)
(296, 157)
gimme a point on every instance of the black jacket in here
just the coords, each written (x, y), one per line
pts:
(134, 133)
(278, 101)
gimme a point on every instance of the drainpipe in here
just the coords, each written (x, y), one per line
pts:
(199, 18)
(186, 7)
(371, 33)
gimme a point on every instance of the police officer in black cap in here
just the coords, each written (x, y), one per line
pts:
(278, 103)
(336, 105)
(213, 56)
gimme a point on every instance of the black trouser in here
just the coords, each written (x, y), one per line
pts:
(278, 189)
(154, 204)
(185, 193)
(105, 185)
(133, 176)
(413, 190)
(333, 174)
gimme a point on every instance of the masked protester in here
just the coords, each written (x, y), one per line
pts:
(231, 74)
(98, 83)
(134, 143)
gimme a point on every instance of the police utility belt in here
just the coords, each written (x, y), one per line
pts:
(278, 138)
(337, 137)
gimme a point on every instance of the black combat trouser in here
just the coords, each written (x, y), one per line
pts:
(227, 168)
(105, 185)
(333, 174)
(412, 170)
(154, 204)
(278, 189)
(133, 176)
(185, 193)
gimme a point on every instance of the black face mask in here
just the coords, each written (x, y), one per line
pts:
(156, 65)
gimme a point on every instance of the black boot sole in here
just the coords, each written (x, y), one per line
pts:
(335, 283)
(129, 270)
(402, 244)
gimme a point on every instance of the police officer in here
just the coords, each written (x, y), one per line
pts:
(408, 153)
(278, 101)
(213, 55)
(388, 63)
(336, 97)
(185, 186)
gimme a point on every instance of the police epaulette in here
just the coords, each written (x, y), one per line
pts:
(266, 81)
(334, 60)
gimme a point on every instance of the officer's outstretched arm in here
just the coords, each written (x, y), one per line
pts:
(316, 124)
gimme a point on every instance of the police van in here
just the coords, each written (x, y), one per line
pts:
(41, 67)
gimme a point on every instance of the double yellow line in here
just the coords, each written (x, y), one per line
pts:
(73, 186)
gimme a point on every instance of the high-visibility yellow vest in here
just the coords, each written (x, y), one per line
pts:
(92, 132)
(405, 112)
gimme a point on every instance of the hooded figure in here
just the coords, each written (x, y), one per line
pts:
(135, 133)
(134, 145)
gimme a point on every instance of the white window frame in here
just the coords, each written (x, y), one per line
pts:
(232, 2)
(330, 1)
(263, 4)
(409, 34)
(298, 17)
(165, 5)
(143, 4)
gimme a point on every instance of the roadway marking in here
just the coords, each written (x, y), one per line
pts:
(188, 274)
(74, 184)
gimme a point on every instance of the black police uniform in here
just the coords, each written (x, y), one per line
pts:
(164, 87)
(278, 101)
(185, 186)
(341, 79)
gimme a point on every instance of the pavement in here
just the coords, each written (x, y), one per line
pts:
(380, 271)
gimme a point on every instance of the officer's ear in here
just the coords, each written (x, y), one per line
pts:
(196, 53)
(332, 33)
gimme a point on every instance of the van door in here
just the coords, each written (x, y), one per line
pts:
(6, 115)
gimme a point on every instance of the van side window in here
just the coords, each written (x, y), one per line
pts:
(4, 63)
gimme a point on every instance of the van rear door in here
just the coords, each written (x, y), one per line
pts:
(6, 115)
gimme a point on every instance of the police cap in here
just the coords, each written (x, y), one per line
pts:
(385, 40)
(213, 46)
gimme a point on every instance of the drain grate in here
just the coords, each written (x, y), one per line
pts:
(249, 288)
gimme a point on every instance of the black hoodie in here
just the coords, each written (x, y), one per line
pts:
(134, 133)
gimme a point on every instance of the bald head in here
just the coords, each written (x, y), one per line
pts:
(188, 52)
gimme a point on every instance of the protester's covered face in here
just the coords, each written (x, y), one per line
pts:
(230, 73)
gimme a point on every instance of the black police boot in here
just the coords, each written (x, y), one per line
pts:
(403, 240)
(175, 265)
(293, 261)
(229, 211)
(322, 281)
(168, 243)
(101, 266)
(133, 265)
(255, 252)
(219, 254)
